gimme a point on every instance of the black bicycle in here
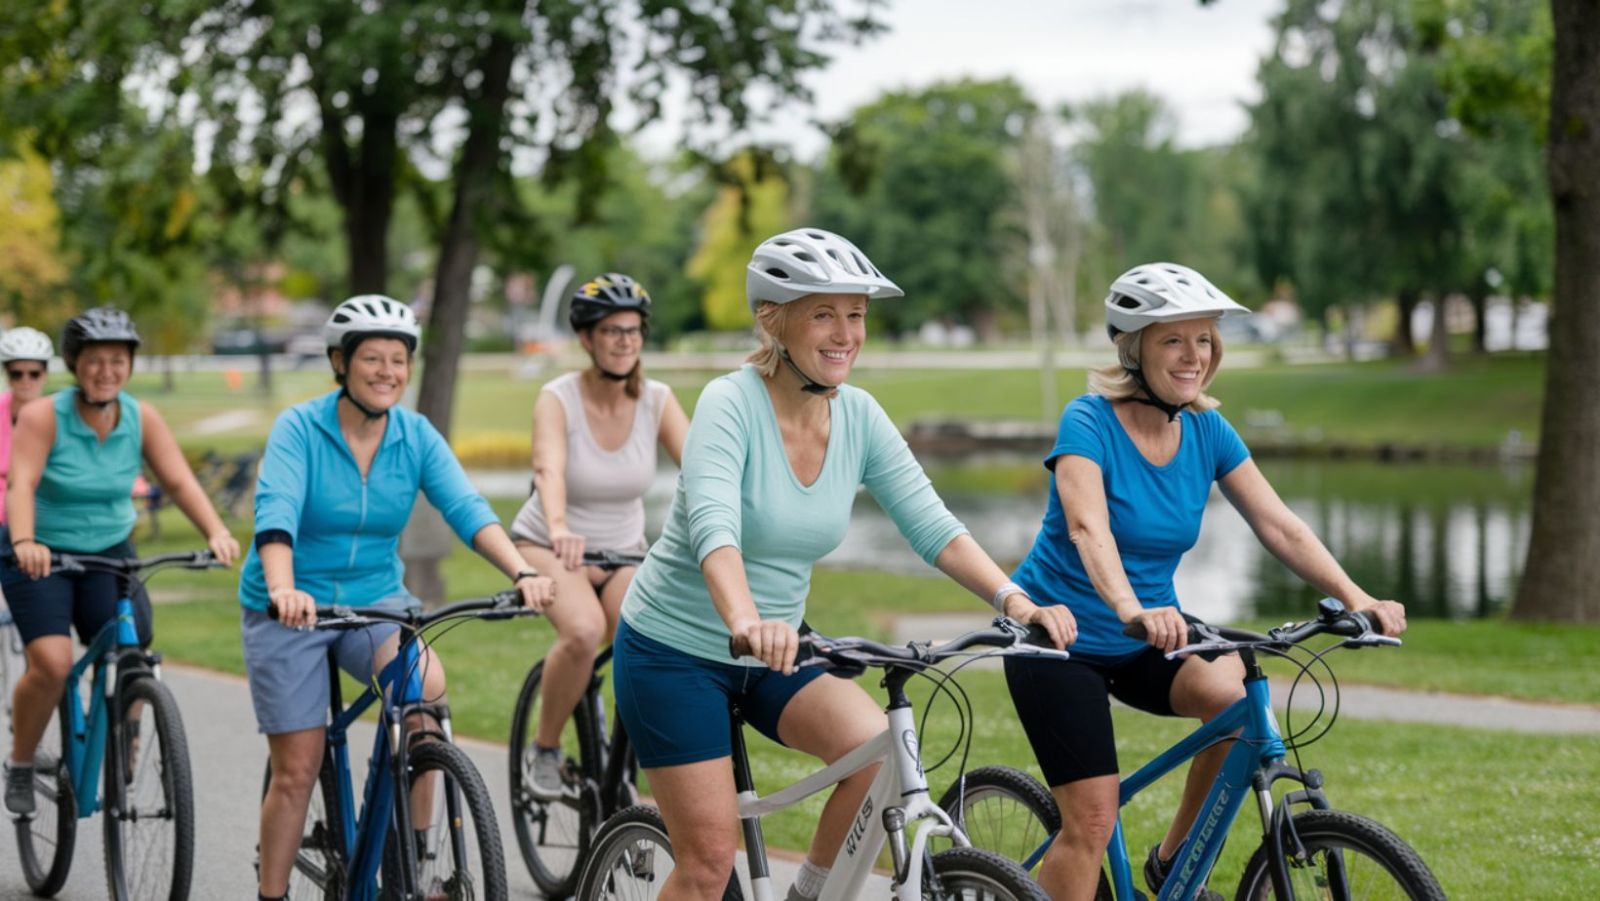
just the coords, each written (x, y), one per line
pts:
(598, 771)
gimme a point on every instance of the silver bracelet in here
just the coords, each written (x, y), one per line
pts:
(998, 602)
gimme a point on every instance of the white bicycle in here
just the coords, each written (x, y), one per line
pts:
(632, 854)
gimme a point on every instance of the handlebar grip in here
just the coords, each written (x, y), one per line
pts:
(738, 646)
(1137, 631)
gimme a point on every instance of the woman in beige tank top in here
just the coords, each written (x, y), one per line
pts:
(595, 434)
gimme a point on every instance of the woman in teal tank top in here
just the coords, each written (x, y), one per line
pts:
(74, 457)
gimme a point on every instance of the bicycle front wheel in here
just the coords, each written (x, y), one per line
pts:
(553, 835)
(1005, 810)
(319, 866)
(973, 874)
(632, 858)
(459, 855)
(46, 839)
(149, 797)
(1348, 857)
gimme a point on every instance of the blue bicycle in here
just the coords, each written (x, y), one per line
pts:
(413, 766)
(127, 727)
(1317, 852)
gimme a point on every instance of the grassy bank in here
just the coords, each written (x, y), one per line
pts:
(1476, 404)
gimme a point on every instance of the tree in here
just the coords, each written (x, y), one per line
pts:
(751, 204)
(30, 241)
(920, 180)
(1563, 565)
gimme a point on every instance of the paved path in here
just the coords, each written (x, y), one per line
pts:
(1358, 701)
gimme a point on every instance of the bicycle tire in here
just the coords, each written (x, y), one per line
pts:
(459, 856)
(973, 874)
(626, 862)
(12, 660)
(46, 840)
(554, 836)
(148, 806)
(320, 867)
(1002, 809)
(1350, 849)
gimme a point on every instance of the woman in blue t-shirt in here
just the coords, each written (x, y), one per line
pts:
(1134, 462)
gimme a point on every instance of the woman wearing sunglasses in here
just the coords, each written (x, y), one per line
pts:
(25, 353)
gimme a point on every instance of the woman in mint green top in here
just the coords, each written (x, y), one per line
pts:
(774, 457)
(74, 457)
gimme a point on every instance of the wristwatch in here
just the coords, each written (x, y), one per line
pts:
(524, 574)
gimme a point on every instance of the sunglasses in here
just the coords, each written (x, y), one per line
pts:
(17, 375)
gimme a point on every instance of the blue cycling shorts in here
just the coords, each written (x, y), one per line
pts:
(675, 705)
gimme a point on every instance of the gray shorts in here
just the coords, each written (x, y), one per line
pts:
(288, 669)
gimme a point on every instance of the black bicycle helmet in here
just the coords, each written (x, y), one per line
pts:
(605, 294)
(101, 325)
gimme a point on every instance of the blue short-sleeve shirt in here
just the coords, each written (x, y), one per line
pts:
(1155, 516)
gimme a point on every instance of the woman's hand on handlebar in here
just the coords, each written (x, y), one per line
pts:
(33, 558)
(772, 641)
(1388, 617)
(538, 592)
(295, 608)
(1164, 627)
(568, 548)
(1055, 619)
(224, 547)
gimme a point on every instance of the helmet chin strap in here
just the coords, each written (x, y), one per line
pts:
(807, 384)
(371, 414)
(617, 377)
(1152, 399)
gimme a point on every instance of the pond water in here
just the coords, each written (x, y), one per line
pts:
(1447, 540)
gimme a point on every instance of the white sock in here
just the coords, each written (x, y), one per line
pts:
(809, 883)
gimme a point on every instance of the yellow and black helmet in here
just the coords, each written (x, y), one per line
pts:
(605, 294)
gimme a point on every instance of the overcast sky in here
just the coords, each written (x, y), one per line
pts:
(1202, 60)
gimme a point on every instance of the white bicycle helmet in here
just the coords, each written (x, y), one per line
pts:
(24, 343)
(368, 316)
(1163, 292)
(811, 261)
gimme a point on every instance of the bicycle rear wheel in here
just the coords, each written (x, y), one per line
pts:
(973, 874)
(12, 661)
(459, 855)
(320, 866)
(45, 840)
(553, 836)
(1003, 809)
(148, 811)
(632, 858)
(1349, 857)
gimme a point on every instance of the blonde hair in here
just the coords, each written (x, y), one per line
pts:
(772, 322)
(1116, 383)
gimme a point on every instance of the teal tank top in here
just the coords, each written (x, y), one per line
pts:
(85, 497)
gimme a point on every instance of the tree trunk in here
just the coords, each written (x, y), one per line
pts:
(1563, 566)
(1404, 345)
(1480, 319)
(1438, 358)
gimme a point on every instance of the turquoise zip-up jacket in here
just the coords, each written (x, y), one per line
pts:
(346, 529)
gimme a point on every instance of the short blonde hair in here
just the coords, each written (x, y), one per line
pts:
(772, 323)
(1115, 382)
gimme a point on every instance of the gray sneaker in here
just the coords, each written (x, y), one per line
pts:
(19, 789)
(546, 784)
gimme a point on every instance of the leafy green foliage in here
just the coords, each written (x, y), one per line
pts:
(751, 204)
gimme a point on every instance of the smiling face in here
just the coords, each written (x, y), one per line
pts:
(26, 378)
(614, 342)
(1176, 358)
(377, 373)
(824, 333)
(102, 370)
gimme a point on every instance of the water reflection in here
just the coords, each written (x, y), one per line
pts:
(1448, 541)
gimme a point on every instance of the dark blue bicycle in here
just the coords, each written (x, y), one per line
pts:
(1317, 852)
(126, 727)
(378, 851)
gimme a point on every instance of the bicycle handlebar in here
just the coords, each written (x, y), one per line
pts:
(856, 654)
(501, 605)
(77, 563)
(1332, 619)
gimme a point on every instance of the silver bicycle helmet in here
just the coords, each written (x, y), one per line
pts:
(1163, 292)
(101, 325)
(371, 316)
(811, 261)
(24, 343)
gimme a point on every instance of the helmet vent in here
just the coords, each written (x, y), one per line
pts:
(1127, 303)
(817, 236)
(804, 257)
(775, 272)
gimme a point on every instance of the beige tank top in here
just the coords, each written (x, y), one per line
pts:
(605, 488)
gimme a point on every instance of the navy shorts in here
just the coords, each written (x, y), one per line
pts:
(675, 705)
(1065, 707)
(59, 603)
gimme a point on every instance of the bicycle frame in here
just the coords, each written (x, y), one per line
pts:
(365, 835)
(619, 764)
(86, 734)
(898, 795)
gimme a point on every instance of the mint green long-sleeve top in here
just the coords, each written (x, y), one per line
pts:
(736, 489)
